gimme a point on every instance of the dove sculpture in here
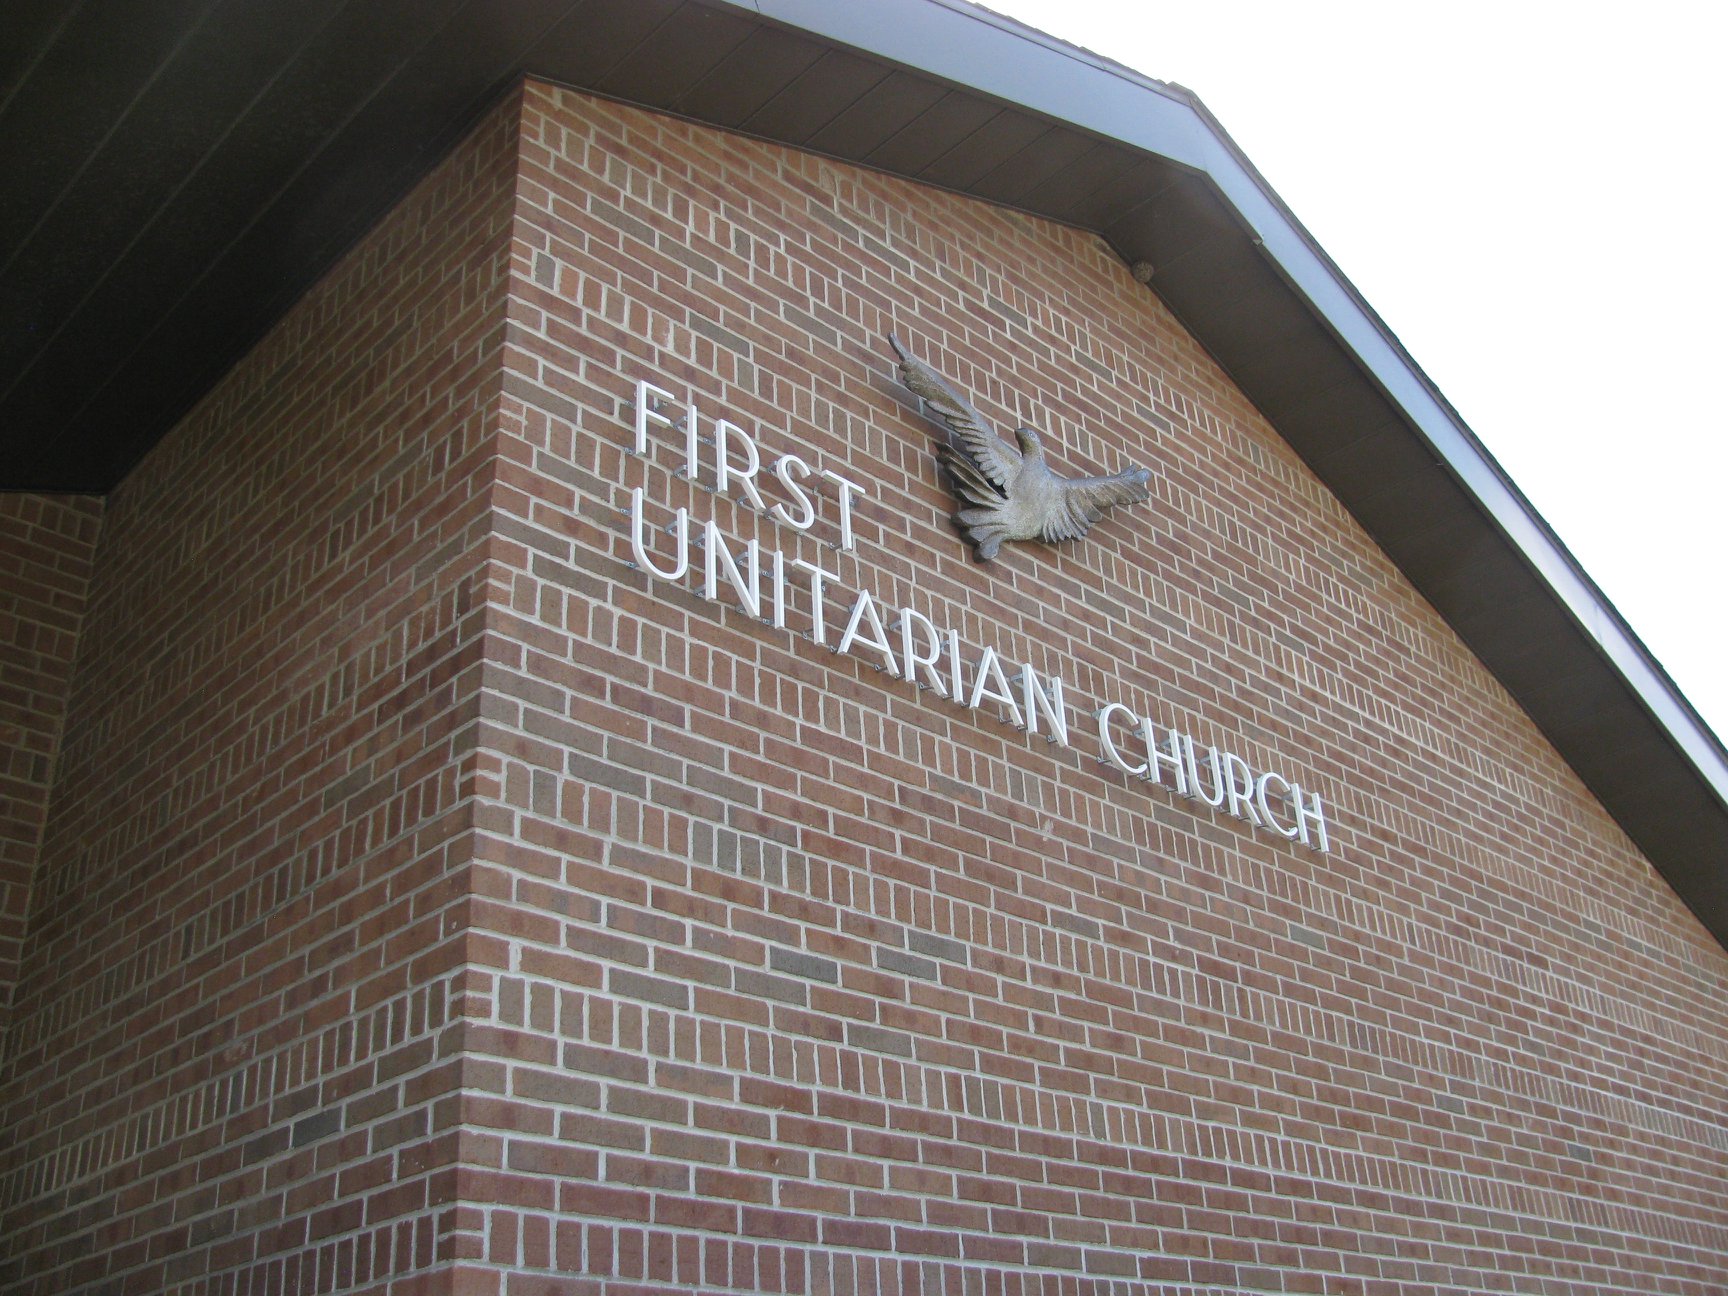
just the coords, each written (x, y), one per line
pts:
(1010, 494)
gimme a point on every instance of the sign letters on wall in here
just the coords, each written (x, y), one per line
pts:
(794, 594)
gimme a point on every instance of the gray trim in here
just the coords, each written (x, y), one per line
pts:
(1013, 63)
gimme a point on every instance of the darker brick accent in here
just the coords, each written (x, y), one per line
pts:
(313, 1128)
(799, 964)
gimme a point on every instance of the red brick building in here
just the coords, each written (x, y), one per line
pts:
(445, 850)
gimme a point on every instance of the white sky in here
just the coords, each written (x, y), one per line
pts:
(1529, 195)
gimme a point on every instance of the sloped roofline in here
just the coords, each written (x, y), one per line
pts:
(1001, 57)
(111, 327)
(1172, 121)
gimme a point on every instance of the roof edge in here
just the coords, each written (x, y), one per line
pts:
(1019, 65)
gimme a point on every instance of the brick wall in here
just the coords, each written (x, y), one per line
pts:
(46, 543)
(431, 900)
(805, 980)
(232, 1067)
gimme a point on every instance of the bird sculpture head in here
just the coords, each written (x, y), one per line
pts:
(1030, 445)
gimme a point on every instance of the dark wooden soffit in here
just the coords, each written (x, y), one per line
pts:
(174, 173)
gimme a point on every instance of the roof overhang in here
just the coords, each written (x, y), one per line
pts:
(173, 183)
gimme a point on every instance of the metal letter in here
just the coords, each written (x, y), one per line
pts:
(724, 472)
(847, 490)
(990, 671)
(1266, 780)
(779, 570)
(645, 411)
(911, 661)
(692, 441)
(1037, 700)
(864, 609)
(784, 466)
(1216, 796)
(1157, 758)
(639, 550)
(1239, 785)
(1308, 814)
(716, 555)
(1109, 744)
(818, 578)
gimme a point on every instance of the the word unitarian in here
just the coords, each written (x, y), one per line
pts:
(790, 589)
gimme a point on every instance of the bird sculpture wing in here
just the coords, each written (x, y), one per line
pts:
(1084, 499)
(979, 459)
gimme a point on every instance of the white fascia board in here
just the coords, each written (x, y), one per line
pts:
(1004, 60)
